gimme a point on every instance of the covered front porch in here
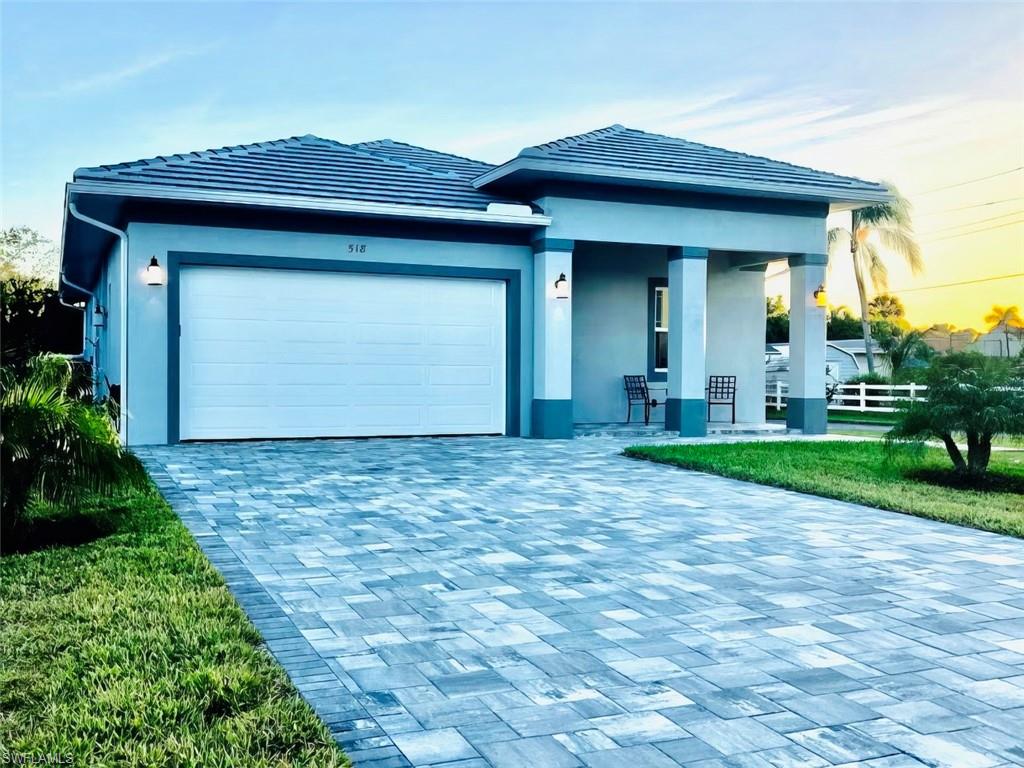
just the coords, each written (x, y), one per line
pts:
(677, 315)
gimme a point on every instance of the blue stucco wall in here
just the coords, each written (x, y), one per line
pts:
(148, 312)
(610, 326)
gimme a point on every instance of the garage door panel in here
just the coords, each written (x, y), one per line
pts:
(467, 416)
(479, 375)
(282, 353)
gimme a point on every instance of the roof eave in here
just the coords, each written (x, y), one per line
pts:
(558, 170)
(307, 203)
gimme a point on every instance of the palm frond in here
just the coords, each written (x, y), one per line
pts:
(875, 266)
(901, 241)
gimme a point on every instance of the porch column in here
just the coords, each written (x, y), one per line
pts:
(686, 407)
(551, 415)
(807, 409)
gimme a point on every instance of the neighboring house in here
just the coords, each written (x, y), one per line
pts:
(944, 339)
(304, 287)
(855, 347)
(995, 342)
(844, 359)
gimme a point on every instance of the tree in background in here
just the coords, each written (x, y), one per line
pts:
(908, 354)
(27, 254)
(777, 325)
(842, 324)
(887, 307)
(1006, 318)
(884, 227)
(32, 319)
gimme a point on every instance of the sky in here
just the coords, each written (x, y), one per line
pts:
(927, 95)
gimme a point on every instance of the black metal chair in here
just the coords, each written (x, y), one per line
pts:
(722, 391)
(636, 393)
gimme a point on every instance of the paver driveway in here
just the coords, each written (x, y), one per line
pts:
(536, 604)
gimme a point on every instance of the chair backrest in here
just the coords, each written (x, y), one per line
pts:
(636, 387)
(721, 387)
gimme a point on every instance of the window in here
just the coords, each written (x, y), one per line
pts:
(661, 329)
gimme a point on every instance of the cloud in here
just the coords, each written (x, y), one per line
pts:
(104, 80)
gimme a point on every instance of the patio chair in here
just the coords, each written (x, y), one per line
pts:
(722, 391)
(636, 393)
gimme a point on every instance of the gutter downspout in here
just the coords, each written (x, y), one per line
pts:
(122, 236)
(85, 316)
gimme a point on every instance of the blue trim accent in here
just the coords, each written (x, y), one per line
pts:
(688, 416)
(547, 244)
(677, 252)
(652, 283)
(809, 414)
(513, 313)
(552, 419)
(808, 259)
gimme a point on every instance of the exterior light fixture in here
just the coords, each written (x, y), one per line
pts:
(155, 273)
(820, 296)
(562, 287)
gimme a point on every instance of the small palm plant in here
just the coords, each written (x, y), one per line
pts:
(968, 393)
(57, 446)
(874, 230)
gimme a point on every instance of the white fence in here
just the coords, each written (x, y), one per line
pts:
(866, 398)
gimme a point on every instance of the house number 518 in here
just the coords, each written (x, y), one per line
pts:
(356, 248)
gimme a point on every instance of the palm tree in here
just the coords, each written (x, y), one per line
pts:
(57, 446)
(1005, 318)
(874, 230)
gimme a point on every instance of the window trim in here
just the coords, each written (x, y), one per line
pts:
(653, 283)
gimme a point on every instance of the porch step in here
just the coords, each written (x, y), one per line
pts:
(658, 431)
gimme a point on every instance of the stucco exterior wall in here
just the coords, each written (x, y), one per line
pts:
(644, 223)
(610, 326)
(147, 389)
(736, 317)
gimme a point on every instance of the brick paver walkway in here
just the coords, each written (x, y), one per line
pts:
(515, 603)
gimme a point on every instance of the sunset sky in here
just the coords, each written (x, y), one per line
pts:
(930, 96)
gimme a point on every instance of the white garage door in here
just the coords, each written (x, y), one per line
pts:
(287, 353)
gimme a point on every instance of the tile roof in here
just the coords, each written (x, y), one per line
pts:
(623, 152)
(381, 171)
(393, 172)
(426, 158)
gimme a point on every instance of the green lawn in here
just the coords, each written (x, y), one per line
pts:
(129, 650)
(863, 472)
(843, 417)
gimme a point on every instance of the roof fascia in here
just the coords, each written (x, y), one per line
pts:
(329, 205)
(553, 169)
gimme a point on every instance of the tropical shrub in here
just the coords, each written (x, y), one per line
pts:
(968, 393)
(867, 378)
(33, 321)
(57, 446)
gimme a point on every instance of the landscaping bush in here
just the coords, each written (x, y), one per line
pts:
(57, 445)
(970, 393)
(33, 321)
(866, 378)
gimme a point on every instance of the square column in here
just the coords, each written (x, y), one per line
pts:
(807, 409)
(686, 407)
(551, 414)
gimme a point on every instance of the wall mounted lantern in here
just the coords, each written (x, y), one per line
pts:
(562, 287)
(155, 273)
(821, 296)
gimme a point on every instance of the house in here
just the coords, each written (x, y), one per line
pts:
(305, 287)
(844, 359)
(1001, 341)
(854, 348)
(945, 338)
